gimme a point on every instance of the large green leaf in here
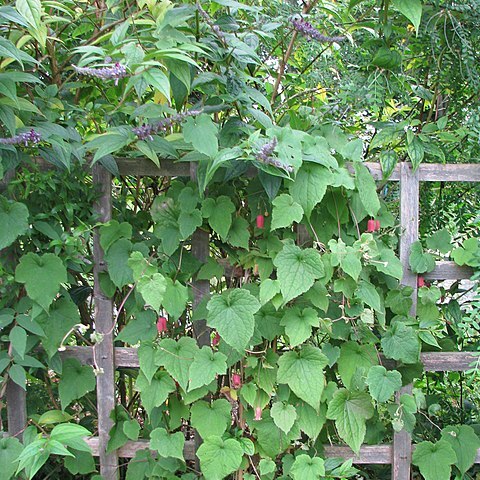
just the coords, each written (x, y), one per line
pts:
(351, 410)
(219, 213)
(420, 262)
(302, 371)
(354, 356)
(14, 221)
(205, 367)
(176, 357)
(434, 460)
(166, 444)
(465, 443)
(219, 458)
(367, 189)
(285, 212)
(400, 342)
(42, 276)
(310, 421)
(383, 384)
(310, 186)
(298, 324)
(284, 415)
(307, 468)
(154, 393)
(152, 290)
(297, 270)
(412, 9)
(211, 418)
(117, 258)
(201, 132)
(10, 449)
(76, 381)
(232, 315)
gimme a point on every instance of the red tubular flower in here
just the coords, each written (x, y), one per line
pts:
(258, 413)
(420, 282)
(216, 339)
(260, 221)
(371, 226)
(236, 381)
(161, 324)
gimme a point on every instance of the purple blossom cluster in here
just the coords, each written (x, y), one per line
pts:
(22, 139)
(308, 30)
(265, 155)
(117, 71)
(147, 131)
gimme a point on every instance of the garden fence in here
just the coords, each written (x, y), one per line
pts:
(107, 357)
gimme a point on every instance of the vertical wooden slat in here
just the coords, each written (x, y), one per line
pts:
(16, 395)
(201, 288)
(104, 356)
(409, 218)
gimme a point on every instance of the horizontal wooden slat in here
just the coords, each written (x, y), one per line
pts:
(449, 271)
(127, 357)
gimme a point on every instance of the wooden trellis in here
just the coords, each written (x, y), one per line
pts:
(108, 358)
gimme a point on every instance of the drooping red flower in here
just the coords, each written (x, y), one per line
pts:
(162, 324)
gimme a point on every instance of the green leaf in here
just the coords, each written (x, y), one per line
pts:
(297, 270)
(219, 458)
(112, 232)
(219, 213)
(354, 356)
(284, 415)
(298, 324)
(42, 276)
(465, 443)
(238, 235)
(201, 132)
(307, 468)
(157, 79)
(369, 295)
(18, 340)
(383, 384)
(152, 290)
(131, 428)
(415, 150)
(117, 258)
(285, 212)
(154, 393)
(61, 318)
(188, 222)
(412, 9)
(310, 186)
(434, 460)
(106, 144)
(309, 421)
(167, 445)
(302, 371)
(140, 266)
(71, 435)
(232, 315)
(351, 410)
(82, 464)
(400, 342)
(367, 189)
(76, 381)
(388, 161)
(177, 357)
(10, 450)
(440, 240)
(141, 328)
(18, 375)
(175, 298)
(205, 367)
(419, 261)
(14, 221)
(211, 419)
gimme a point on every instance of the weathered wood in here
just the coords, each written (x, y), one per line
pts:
(103, 351)
(449, 271)
(16, 409)
(409, 219)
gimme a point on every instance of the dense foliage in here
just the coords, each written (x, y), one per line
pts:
(309, 331)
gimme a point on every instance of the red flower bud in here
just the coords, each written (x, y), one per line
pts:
(236, 381)
(258, 413)
(377, 225)
(260, 221)
(420, 282)
(216, 339)
(161, 324)
(371, 226)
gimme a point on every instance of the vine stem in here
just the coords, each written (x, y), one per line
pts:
(283, 62)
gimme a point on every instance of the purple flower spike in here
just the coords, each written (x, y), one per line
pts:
(22, 139)
(308, 30)
(148, 130)
(265, 155)
(117, 71)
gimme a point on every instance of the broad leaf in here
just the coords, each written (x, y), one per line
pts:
(175, 298)
(297, 270)
(383, 384)
(219, 211)
(166, 444)
(298, 324)
(351, 410)
(419, 261)
(367, 189)
(10, 449)
(205, 367)
(232, 315)
(307, 468)
(354, 356)
(400, 342)
(152, 290)
(42, 276)
(219, 458)
(285, 212)
(154, 393)
(14, 221)
(76, 381)
(302, 371)
(284, 415)
(201, 132)
(211, 418)
(465, 443)
(412, 9)
(434, 460)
